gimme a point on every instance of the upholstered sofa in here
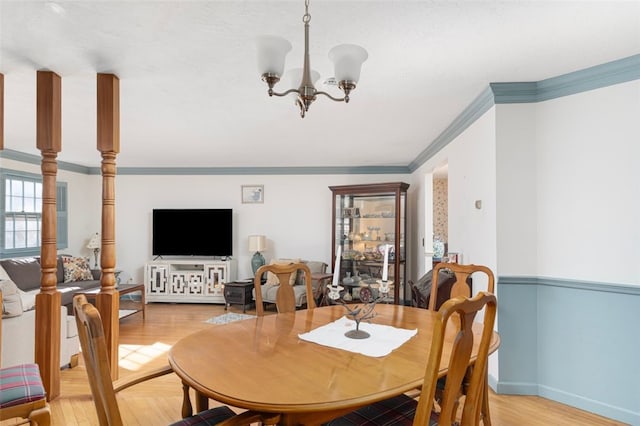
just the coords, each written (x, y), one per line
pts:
(20, 282)
(270, 287)
(73, 274)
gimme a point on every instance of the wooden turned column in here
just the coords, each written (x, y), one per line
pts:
(48, 301)
(108, 142)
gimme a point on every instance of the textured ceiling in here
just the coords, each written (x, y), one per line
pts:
(191, 95)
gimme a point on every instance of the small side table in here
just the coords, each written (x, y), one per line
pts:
(128, 306)
(238, 293)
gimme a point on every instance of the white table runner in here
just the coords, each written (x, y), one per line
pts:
(382, 341)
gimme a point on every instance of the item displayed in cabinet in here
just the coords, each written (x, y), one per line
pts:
(353, 255)
(374, 232)
(365, 219)
(372, 254)
(347, 280)
(351, 212)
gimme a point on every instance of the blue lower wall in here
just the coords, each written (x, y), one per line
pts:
(574, 342)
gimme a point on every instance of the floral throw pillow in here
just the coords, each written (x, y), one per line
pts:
(76, 269)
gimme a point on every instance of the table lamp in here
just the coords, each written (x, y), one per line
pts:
(94, 244)
(257, 243)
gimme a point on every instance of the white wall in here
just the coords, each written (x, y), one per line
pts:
(588, 150)
(472, 176)
(295, 216)
(516, 202)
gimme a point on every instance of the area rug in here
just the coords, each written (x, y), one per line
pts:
(227, 318)
(126, 312)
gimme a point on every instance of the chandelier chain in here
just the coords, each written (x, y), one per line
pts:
(306, 17)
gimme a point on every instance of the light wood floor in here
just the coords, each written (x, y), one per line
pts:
(143, 344)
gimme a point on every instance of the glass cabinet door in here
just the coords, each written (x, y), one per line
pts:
(369, 221)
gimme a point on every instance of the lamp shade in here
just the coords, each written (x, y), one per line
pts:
(272, 51)
(347, 61)
(94, 242)
(257, 243)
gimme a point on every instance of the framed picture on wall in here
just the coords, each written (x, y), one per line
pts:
(252, 194)
(454, 257)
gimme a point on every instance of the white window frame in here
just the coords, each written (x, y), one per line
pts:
(31, 247)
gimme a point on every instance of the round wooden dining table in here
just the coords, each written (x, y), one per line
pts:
(261, 364)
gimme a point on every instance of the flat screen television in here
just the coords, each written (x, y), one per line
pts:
(192, 232)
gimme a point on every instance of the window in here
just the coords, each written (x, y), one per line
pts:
(21, 213)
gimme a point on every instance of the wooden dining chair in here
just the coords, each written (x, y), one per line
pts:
(22, 394)
(285, 297)
(404, 410)
(94, 352)
(463, 287)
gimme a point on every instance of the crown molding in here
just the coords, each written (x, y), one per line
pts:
(193, 171)
(10, 154)
(481, 104)
(266, 171)
(596, 77)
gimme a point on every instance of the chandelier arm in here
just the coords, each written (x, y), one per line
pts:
(345, 99)
(284, 93)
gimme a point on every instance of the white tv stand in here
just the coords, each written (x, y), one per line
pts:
(187, 280)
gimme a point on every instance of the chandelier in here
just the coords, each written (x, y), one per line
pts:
(347, 60)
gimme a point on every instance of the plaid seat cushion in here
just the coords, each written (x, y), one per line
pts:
(20, 384)
(207, 418)
(395, 411)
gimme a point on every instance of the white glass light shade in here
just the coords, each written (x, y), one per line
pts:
(257, 243)
(347, 61)
(272, 51)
